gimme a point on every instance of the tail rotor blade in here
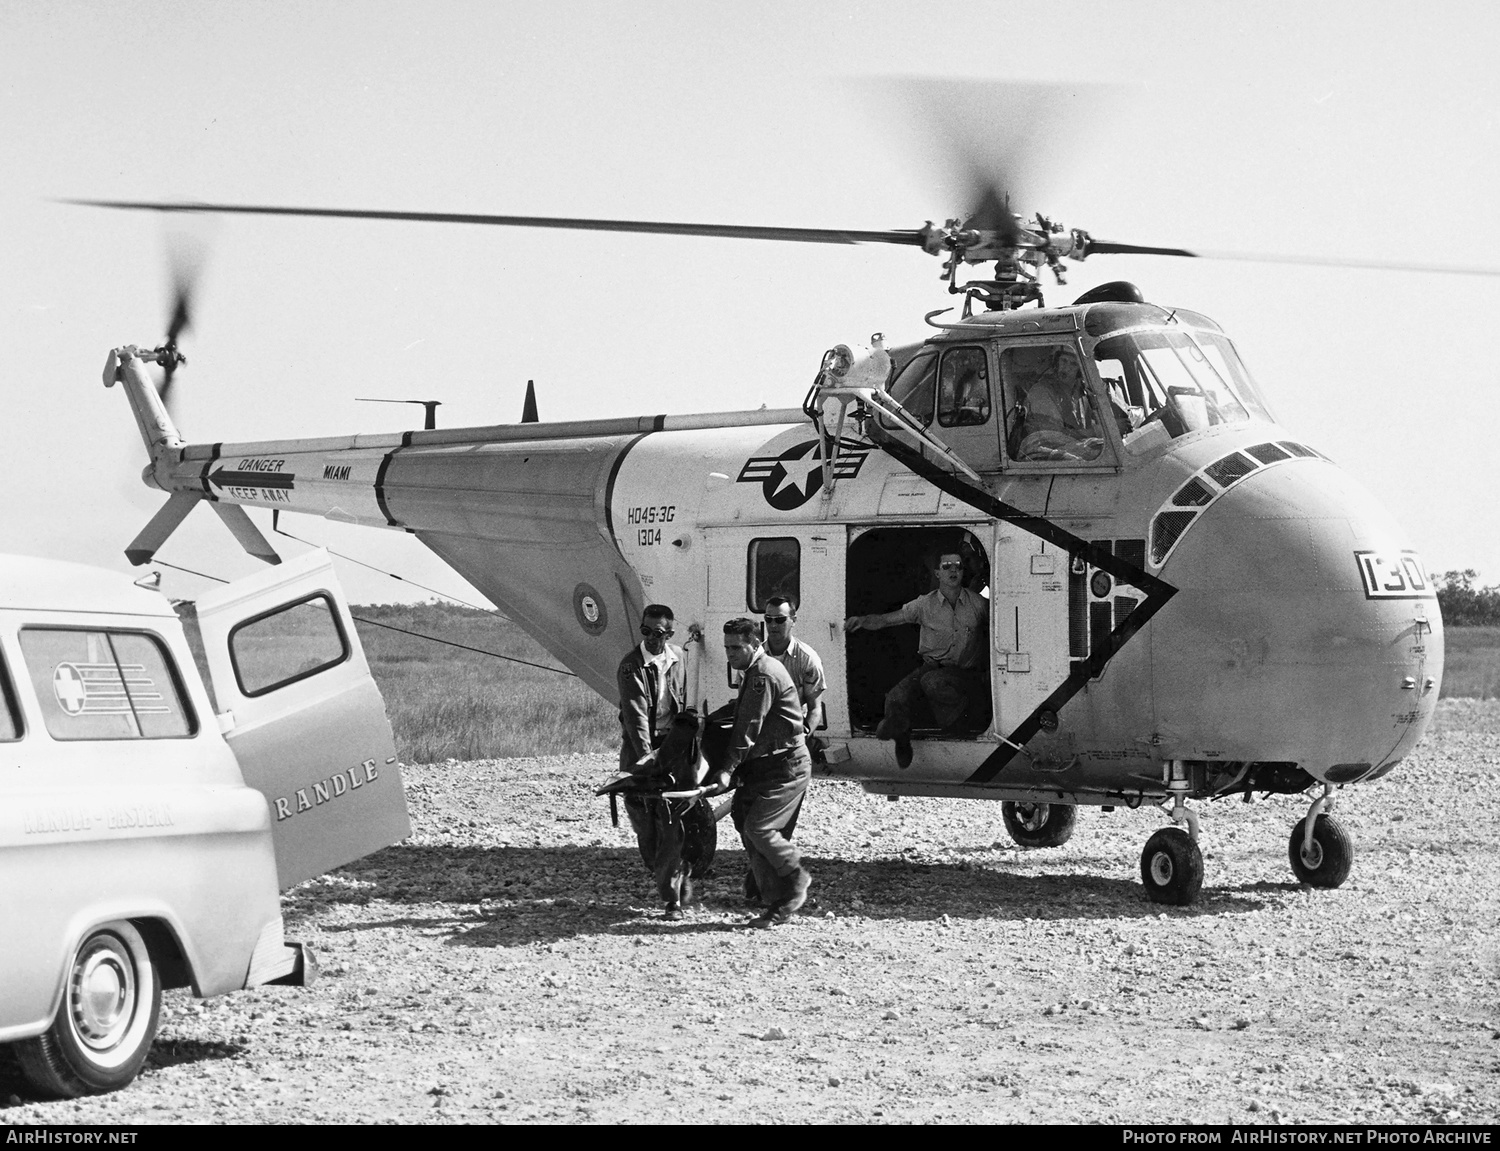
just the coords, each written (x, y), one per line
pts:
(146, 544)
(186, 254)
(238, 521)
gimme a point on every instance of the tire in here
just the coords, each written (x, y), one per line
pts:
(1172, 867)
(106, 1022)
(1039, 824)
(1332, 855)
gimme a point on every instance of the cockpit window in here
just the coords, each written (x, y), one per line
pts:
(1049, 414)
(964, 388)
(1164, 383)
(915, 388)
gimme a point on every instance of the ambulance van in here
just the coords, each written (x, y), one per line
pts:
(160, 785)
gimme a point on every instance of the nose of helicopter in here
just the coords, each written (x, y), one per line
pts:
(1302, 631)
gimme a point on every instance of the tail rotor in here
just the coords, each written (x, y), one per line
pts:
(185, 256)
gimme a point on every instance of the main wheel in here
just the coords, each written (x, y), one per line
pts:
(1327, 862)
(1039, 824)
(1172, 867)
(106, 1022)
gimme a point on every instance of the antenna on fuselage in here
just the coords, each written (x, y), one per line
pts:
(528, 409)
(429, 408)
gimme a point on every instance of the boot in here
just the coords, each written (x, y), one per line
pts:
(797, 884)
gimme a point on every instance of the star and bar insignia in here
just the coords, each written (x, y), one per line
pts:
(792, 478)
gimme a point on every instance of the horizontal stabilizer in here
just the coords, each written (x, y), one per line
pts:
(238, 521)
(144, 547)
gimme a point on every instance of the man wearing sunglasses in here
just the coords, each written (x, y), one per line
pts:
(652, 681)
(801, 662)
(953, 622)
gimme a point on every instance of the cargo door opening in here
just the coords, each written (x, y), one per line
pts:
(887, 568)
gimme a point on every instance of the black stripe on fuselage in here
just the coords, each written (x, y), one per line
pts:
(1158, 592)
(213, 454)
(609, 485)
(380, 484)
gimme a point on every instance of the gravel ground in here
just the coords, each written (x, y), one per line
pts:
(509, 963)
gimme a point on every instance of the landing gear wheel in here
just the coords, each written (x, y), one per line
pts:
(1328, 861)
(1172, 867)
(106, 1021)
(1039, 824)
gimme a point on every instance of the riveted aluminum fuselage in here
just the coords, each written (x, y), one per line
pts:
(1291, 626)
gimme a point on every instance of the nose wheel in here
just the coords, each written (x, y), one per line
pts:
(1172, 867)
(1171, 864)
(1320, 849)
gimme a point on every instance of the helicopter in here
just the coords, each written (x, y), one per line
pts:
(1185, 602)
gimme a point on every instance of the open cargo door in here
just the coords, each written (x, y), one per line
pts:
(303, 716)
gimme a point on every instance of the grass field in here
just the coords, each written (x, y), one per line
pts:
(446, 703)
(1471, 665)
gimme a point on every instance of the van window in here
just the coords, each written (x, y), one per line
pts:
(106, 684)
(290, 643)
(774, 568)
(10, 715)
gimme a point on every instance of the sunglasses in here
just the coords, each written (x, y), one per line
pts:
(657, 633)
(951, 567)
(777, 618)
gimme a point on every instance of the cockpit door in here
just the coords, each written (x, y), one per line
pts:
(951, 390)
(303, 716)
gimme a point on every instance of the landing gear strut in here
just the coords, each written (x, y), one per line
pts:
(1320, 849)
(1171, 864)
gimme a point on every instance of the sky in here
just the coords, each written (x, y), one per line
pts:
(1359, 131)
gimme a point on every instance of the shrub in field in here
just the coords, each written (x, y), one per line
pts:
(1463, 604)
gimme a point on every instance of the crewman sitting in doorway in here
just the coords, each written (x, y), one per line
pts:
(954, 623)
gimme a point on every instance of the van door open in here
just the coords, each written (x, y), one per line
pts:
(303, 716)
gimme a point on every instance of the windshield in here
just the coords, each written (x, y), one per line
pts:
(1165, 383)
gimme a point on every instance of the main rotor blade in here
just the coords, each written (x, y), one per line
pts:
(986, 140)
(1106, 247)
(726, 231)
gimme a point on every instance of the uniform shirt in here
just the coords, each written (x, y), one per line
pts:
(662, 664)
(803, 665)
(947, 632)
(1051, 406)
(767, 714)
(649, 690)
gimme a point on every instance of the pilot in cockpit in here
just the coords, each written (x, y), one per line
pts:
(1054, 419)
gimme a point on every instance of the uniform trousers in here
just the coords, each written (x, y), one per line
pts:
(766, 801)
(948, 691)
(640, 819)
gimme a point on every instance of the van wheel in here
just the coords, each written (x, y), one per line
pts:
(1039, 824)
(106, 1021)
